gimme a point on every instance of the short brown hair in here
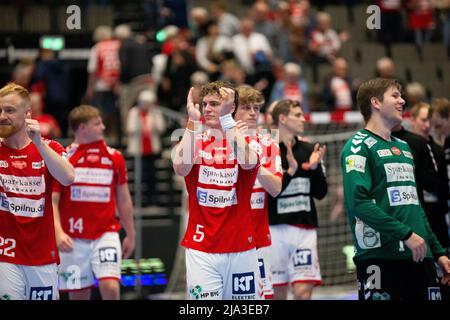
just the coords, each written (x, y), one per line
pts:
(82, 114)
(373, 88)
(283, 107)
(13, 88)
(214, 88)
(441, 106)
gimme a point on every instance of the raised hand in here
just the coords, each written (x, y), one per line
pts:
(193, 109)
(227, 95)
(33, 130)
(316, 156)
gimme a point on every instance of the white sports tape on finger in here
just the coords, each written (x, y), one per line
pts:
(227, 122)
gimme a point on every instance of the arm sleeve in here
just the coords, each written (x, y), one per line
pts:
(357, 176)
(319, 185)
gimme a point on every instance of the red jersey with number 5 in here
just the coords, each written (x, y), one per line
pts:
(27, 234)
(87, 207)
(220, 217)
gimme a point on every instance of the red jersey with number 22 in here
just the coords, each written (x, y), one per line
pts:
(27, 234)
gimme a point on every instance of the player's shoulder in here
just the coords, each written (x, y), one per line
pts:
(113, 152)
(359, 142)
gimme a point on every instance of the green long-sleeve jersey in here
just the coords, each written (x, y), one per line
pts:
(381, 198)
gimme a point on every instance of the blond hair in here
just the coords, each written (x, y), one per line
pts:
(13, 88)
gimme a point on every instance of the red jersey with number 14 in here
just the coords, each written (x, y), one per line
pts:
(27, 234)
(87, 207)
(219, 190)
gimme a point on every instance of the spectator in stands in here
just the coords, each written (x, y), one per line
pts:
(291, 86)
(415, 94)
(421, 22)
(104, 72)
(392, 23)
(198, 23)
(324, 43)
(177, 73)
(212, 50)
(22, 72)
(385, 68)
(260, 14)
(339, 88)
(51, 78)
(135, 69)
(232, 73)
(49, 126)
(251, 48)
(145, 126)
(229, 24)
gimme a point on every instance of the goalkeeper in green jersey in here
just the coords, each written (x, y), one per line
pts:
(394, 244)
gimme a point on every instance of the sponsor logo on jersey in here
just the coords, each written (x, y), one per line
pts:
(22, 207)
(297, 185)
(399, 172)
(302, 258)
(37, 165)
(408, 154)
(355, 163)
(108, 255)
(106, 161)
(41, 293)
(93, 150)
(402, 195)
(19, 164)
(257, 200)
(396, 151)
(216, 198)
(243, 284)
(23, 185)
(90, 194)
(81, 160)
(434, 293)
(369, 142)
(293, 204)
(384, 153)
(92, 158)
(19, 157)
(220, 177)
(93, 176)
(367, 237)
(4, 164)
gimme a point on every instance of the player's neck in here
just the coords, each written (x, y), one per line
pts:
(379, 129)
(285, 135)
(18, 140)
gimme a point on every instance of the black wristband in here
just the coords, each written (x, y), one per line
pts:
(407, 235)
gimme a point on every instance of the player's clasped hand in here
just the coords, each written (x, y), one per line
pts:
(33, 129)
(193, 109)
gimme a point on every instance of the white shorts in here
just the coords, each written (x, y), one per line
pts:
(223, 276)
(265, 272)
(101, 257)
(19, 282)
(293, 255)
